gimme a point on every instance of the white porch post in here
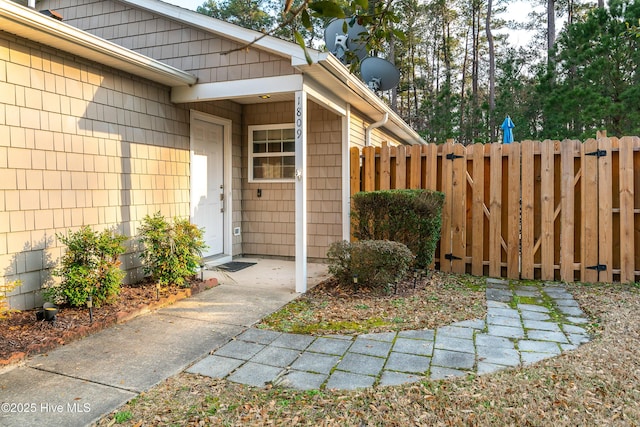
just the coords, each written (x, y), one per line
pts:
(346, 178)
(301, 190)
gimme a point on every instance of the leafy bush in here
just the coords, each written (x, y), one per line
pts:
(412, 217)
(171, 252)
(5, 288)
(375, 263)
(89, 267)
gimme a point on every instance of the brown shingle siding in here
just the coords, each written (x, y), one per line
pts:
(73, 154)
(210, 57)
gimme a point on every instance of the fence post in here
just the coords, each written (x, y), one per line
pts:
(354, 173)
(547, 205)
(445, 236)
(385, 167)
(627, 222)
(528, 240)
(605, 211)
(369, 165)
(495, 210)
(458, 253)
(401, 168)
(430, 166)
(475, 227)
(589, 212)
(513, 211)
(567, 210)
(415, 166)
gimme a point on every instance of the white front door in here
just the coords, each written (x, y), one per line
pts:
(207, 183)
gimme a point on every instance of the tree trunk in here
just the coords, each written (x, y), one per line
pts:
(492, 73)
(463, 85)
(551, 32)
(475, 74)
(392, 59)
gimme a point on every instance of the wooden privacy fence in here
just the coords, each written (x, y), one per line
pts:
(552, 210)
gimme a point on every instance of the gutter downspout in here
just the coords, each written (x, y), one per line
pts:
(32, 4)
(367, 132)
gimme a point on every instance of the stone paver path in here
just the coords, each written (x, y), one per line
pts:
(523, 325)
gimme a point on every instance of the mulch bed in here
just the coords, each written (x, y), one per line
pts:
(22, 335)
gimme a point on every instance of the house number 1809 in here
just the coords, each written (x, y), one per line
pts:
(298, 116)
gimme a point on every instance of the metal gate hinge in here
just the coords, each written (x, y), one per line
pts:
(597, 153)
(452, 257)
(598, 267)
(452, 156)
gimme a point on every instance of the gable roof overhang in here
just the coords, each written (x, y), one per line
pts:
(326, 79)
(243, 36)
(32, 25)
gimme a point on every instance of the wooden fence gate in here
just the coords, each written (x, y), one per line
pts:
(546, 210)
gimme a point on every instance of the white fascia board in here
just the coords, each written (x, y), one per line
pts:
(335, 67)
(33, 25)
(225, 29)
(237, 89)
(326, 98)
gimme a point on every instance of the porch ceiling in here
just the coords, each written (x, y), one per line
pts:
(328, 82)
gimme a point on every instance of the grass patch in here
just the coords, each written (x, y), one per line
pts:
(122, 417)
(420, 303)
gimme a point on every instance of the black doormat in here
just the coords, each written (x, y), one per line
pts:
(235, 266)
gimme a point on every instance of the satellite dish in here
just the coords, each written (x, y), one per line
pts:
(379, 74)
(340, 42)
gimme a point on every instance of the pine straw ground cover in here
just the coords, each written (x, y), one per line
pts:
(597, 384)
(21, 335)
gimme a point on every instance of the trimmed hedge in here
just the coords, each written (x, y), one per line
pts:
(375, 263)
(412, 217)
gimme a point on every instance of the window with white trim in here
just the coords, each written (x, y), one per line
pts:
(272, 153)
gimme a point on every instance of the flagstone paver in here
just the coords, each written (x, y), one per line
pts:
(512, 334)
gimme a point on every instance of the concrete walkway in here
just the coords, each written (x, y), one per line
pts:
(79, 383)
(513, 334)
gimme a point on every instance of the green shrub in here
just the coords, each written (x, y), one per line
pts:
(171, 251)
(89, 267)
(412, 217)
(375, 263)
(5, 288)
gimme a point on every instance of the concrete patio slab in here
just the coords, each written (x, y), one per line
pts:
(455, 344)
(391, 378)
(325, 345)
(215, 366)
(303, 380)
(420, 347)
(255, 374)
(440, 373)
(315, 362)
(411, 363)
(361, 364)
(293, 341)
(453, 359)
(349, 381)
(371, 347)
